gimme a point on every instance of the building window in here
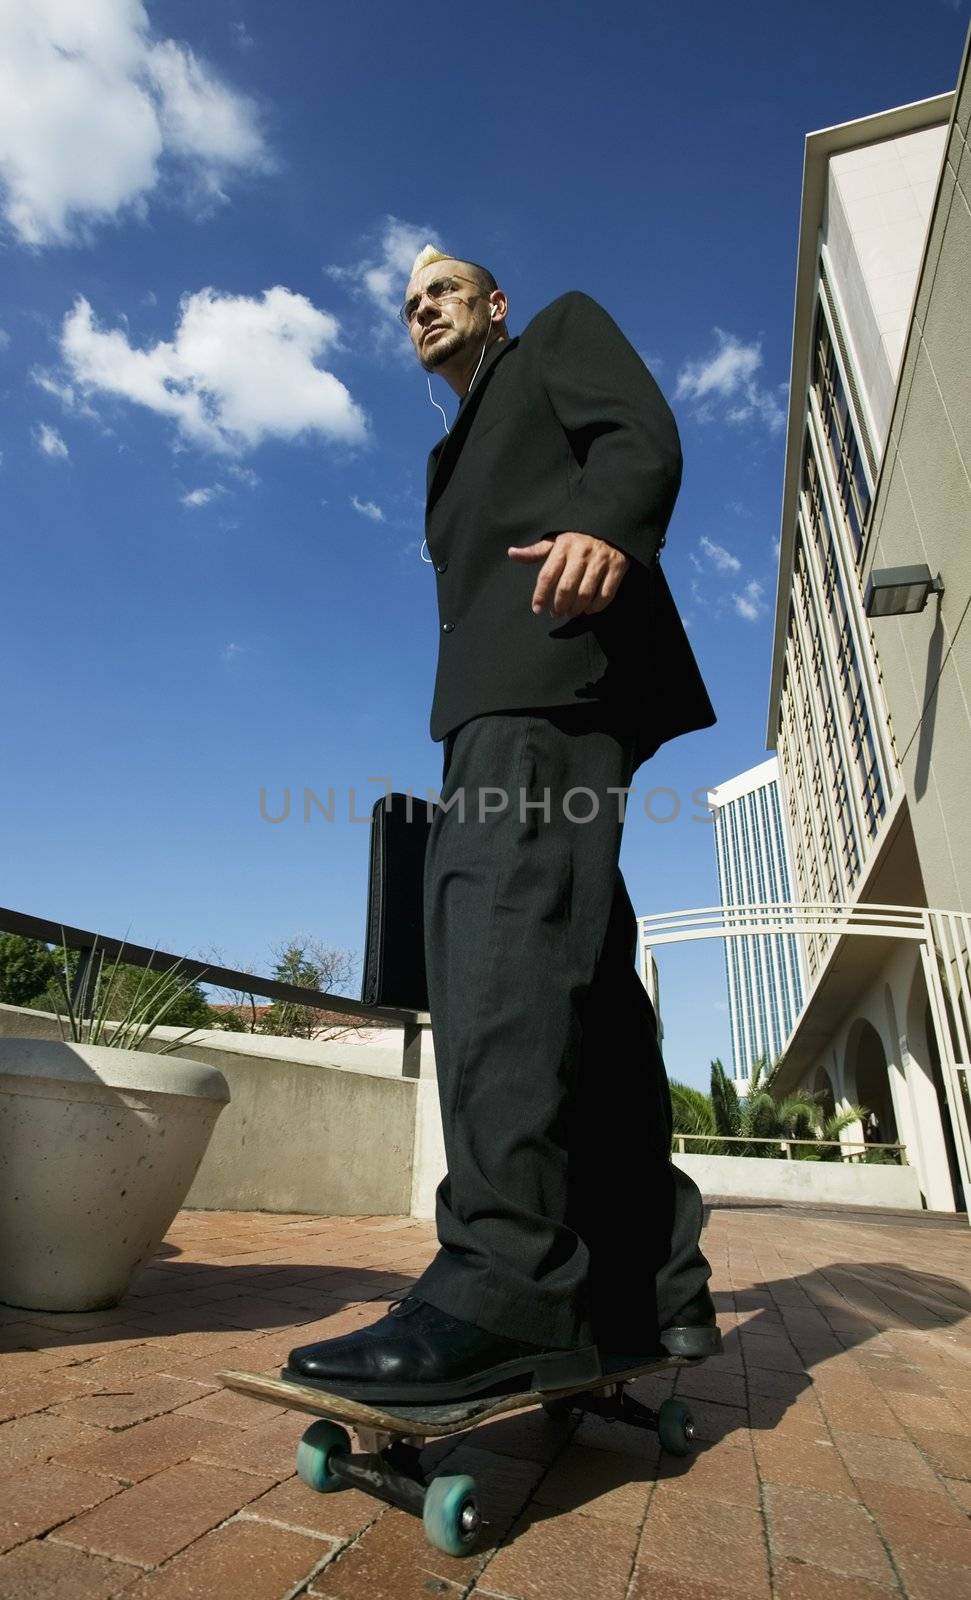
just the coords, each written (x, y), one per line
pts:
(847, 665)
(852, 487)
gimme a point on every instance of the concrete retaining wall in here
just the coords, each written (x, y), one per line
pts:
(297, 1135)
(353, 1138)
(821, 1182)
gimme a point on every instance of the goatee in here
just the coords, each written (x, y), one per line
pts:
(442, 347)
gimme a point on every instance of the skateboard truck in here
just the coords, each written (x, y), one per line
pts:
(673, 1423)
(388, 1464)
(389, 1467)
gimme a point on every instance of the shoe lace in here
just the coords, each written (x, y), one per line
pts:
(400, 1300)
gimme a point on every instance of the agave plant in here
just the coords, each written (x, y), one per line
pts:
(87, 1016)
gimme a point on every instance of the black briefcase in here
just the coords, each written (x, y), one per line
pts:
(394, 947)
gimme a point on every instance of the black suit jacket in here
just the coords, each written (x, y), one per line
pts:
(563, 429)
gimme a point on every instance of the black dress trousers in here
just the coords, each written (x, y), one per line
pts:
(561, 1220)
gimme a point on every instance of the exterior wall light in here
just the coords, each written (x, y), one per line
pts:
(897, 591)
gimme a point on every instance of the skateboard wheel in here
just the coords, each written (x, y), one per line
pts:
(675, 1428)
(321, 1442)
(451, 1514)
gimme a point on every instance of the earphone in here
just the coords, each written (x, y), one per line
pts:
(492, 318)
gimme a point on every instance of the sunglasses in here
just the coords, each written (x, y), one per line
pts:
(437, 291)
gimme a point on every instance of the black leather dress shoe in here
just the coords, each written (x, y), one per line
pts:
(694, 1332)
(418, 1353)
(691, 1336)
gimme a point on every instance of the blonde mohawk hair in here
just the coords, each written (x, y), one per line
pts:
(425, 257)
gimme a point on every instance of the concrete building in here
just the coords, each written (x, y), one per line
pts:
(651, 979)
(869, 714)
(763, 973)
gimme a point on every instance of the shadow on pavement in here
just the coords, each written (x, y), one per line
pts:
(787, 1330)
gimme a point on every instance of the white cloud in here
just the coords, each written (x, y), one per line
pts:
(238, 370)
(231, 651)
(732, 365)
(202, 497)
(383, 278)
(749, 604)
(201, 118)
(719, 556)
(367, 508)
(94, 110)
(725, 384)
(61, 391)
(50, 441)
(244, 475)
(4, 339)
(68, 396)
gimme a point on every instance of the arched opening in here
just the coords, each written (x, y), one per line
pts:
(822, 1086)
(867, 1072)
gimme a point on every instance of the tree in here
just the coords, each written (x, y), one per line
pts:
(725, 1103)
(692, 1112)
(308, 964)
(26, 968)
(799, 1117)
(245, 1015)
(825, 1146)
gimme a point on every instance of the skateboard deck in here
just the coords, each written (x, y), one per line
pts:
(391, 1436)
(430, 1421)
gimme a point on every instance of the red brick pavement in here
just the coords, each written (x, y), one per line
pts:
(834, 1458)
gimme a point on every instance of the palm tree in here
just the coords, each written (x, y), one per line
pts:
(799, 1115)
(758, 1115)
(726, 1106)
(824, 1144)
(750, 1116)
(692, 1113)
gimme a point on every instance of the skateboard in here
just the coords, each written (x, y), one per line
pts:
(391, 1438)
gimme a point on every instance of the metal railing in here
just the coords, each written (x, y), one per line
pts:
(876, 919)
(251, 983)
(787, 1145)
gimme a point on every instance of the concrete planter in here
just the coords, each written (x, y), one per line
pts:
(98, 1149)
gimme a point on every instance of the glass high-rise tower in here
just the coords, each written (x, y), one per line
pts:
(763, 971)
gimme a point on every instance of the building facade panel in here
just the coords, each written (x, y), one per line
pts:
(879, 199)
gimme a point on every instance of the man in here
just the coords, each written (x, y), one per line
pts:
(565, 1232)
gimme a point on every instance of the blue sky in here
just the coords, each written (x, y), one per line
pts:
(213, 433)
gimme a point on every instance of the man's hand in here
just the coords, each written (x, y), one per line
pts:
(580, 572)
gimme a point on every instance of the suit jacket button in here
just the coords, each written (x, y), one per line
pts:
(447, 627)
(441, 567)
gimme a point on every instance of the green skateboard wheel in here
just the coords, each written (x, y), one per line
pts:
(320, 1443)
(675, 1428)
(451, 1514)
